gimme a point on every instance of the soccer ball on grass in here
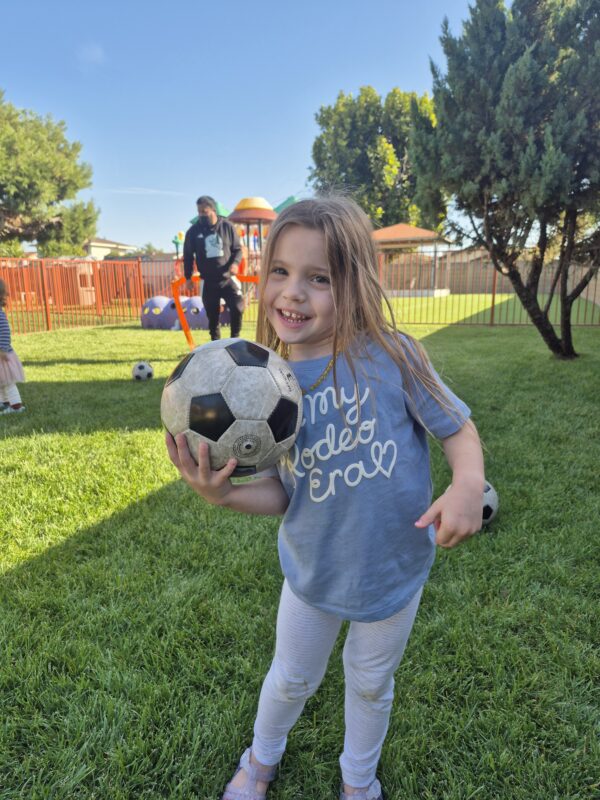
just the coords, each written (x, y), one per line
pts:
(142, 371)
(490, 503)
(239, 397)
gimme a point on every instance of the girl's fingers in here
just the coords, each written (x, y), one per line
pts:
(431, 516)
(172, 449)
(203, 462)
(200, 471)
(185, 457)
(207, 474)
(227, 471)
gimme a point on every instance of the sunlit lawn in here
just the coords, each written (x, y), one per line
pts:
(478, 309)
(136, 622)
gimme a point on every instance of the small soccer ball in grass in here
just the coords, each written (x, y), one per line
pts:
(239, 397)
(490, 503)
(142, 371)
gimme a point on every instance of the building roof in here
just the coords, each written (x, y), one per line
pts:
(110, 241)
(404, 234)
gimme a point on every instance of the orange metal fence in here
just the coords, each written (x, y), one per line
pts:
(435, 288)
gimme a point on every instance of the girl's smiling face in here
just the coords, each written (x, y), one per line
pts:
(298, 299)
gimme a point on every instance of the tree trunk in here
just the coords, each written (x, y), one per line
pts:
(536, 315)
(527, 294)
(566, 303)
(568, 351)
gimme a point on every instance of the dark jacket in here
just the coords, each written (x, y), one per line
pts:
(215, 249)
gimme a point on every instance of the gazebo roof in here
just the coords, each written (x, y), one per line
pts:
(404, 235)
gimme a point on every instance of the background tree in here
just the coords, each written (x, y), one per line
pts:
(363, 147)
(39, 170)
(148, 249)
(76, 224)
(11, 249)
(516, 144)
(145, 251)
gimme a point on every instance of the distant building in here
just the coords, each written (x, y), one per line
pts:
(98, 248)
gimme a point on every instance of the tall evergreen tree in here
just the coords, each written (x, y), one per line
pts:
(516, 144)
(362, 147)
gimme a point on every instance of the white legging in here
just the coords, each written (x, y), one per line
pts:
(10, 394)
(372, 653)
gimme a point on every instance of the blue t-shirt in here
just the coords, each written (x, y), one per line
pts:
(348, 543)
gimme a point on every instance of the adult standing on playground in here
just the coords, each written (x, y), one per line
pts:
(213, 242)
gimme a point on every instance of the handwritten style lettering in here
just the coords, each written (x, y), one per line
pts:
(378, 458)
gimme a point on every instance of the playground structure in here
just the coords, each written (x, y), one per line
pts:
(253, 215)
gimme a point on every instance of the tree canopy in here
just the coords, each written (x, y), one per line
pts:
(40, 170)
(362, 147)
(516, 144)
(77, 224)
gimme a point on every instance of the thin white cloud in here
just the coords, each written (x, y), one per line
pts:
(140, 190)
(91, 53)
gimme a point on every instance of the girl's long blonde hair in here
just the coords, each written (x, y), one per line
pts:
(358, 298)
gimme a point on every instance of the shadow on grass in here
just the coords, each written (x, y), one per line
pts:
(87, 361)
(120, 649)
(86, 407)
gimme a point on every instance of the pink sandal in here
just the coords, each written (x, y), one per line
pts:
(249, 791)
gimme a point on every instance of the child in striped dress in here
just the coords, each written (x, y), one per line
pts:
(11, 369)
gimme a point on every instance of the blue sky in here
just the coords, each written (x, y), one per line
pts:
(184, 98)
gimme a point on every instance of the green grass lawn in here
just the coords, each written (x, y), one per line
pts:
(477, 309)
(137, 622)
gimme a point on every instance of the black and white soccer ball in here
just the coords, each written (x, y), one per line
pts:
(142, 371)
(239, 397)
(490, 503)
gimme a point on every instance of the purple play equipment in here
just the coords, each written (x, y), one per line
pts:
(151, 311)
(168, 319)
(160, 313)
(196, 314)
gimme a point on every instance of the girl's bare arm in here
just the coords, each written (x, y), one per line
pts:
(457, 513)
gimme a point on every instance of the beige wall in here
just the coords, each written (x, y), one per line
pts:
(465, 272)
(101, 249)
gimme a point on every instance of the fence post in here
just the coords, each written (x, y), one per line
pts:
(97, 290)
(45, 294)
(140, 283)
(494, 282)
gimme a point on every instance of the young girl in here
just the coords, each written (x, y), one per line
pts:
(359, 529)
(11, 369)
